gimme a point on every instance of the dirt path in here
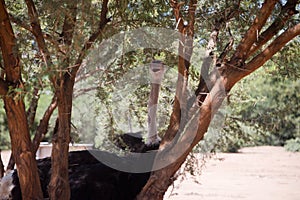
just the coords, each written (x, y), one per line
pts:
(258, 173)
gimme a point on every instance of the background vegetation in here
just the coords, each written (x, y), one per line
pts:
(264, 108)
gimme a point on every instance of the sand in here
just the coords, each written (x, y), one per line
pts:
(257, 173)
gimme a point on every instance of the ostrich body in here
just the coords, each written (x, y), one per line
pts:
(89, 179)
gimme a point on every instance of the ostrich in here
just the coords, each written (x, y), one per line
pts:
(91, 179)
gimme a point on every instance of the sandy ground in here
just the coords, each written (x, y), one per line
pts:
(257, 173)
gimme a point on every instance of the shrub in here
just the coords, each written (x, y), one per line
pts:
(293, 145)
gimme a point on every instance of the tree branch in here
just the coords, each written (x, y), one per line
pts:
(53, 41)
(36, 27)
(37, 32)
(80, 92)
(178, 16)
(88, 44)
(20, 23)
(251, 35)
(207, 61)
(69, 23)
(40, 132)
(206, 80)
(286, 13)
(234, 75)
(185, 50)
(89, 74)
(43, 125)
(160, 179)
(10, 56)
(273, 48)
(188, 49)
(227, 49)
(31, 111)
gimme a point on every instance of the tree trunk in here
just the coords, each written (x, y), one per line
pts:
(59, 187)
(22, 149)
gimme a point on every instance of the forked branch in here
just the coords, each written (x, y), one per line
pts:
(205, 80)
(185, 50)
(234, 74)
(251, 35)
(287, 11)
(273, 48)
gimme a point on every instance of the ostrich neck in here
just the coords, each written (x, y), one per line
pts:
(152, 110)
(156, 72)
(153, 98)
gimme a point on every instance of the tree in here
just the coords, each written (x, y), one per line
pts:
(15, 111)
(259, 43)
(61, 74)
(59, 38)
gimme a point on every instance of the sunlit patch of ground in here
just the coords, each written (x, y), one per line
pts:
(256, 173)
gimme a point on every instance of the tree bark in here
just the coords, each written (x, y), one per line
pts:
(31, 112)
(234, 74)
(43, 125)
(16, 114)
(59, 186)
(252, 34)
(185, 51)
(287, 11)
(22, 149)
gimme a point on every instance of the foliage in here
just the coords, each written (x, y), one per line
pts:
(293, 145)
(263, 110)
(126, 15)
(286, 64)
